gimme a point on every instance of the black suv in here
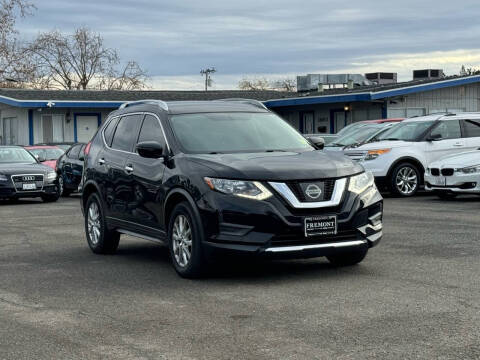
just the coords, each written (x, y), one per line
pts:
(210, 177)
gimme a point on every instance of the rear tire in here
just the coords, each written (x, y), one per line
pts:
(405, 180)
(100, 239)
(349, 258)
(185, 239)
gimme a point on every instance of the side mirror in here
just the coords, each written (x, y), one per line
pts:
(434, 137)
(40, 158)
(81, 157)
(150, 149)
(317, 141)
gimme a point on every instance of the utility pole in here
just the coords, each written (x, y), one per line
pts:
(208, 79)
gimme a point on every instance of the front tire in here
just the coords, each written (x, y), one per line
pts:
(61, 184)
(185, 238)
(405, 180)
(348, 259)
(100, 239)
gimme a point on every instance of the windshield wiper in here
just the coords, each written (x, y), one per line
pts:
(392, 139)
(275, 150)
(215, 152)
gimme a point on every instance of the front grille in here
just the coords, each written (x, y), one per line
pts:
(298, 191)
(447, 172)
(435, 171)
(19, 180)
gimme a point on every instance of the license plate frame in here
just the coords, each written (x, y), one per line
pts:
(320, 225)
(29, 186)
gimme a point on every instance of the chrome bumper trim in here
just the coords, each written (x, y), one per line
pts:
(316, 246)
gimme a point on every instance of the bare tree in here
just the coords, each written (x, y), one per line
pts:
(81, 61)
(285, 85)
(254, 84)
(14, 65)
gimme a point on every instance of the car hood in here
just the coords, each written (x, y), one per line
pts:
(465, 159)
(387, 144)
(50, 163)
(14, 169)
(279, 165)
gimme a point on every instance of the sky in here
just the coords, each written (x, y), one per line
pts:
(173, 40)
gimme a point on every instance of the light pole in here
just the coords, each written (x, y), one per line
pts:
(208, 79)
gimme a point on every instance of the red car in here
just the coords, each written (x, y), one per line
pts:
(46, 154)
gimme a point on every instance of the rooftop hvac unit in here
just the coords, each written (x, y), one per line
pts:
(310, 82)
(382, 78)
(428, 74)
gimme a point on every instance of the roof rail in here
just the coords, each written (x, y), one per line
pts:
(253, 102)
(161, 104)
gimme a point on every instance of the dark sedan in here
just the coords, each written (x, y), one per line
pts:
(22, 176)
(70, 169)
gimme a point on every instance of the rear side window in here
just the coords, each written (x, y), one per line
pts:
(109, 131)
(126, 133)
(151, 131)
(472, 128)
(448, 129)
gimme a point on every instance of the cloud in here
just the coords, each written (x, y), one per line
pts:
(173, 40)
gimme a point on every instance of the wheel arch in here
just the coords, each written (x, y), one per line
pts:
(174, 197)
(408, 159)
(89, 188)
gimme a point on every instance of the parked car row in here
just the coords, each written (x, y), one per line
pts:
(439, 152)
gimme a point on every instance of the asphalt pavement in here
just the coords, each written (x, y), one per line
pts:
(416, 295)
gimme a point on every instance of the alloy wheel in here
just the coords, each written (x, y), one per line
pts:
(182, 240)
(94, 223)
(406, 180)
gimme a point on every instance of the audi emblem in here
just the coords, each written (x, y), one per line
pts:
(28, 178)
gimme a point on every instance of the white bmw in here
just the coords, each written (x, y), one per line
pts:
(455, 174)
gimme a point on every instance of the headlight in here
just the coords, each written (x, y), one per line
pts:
(51, 176)
(246, 189)
(359, 183)
(373, 154)
(469, 170)
(3, 178)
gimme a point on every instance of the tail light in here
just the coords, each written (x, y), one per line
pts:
(87, 148)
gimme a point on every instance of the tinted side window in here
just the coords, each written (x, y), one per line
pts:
(109, 130)
(126, 132)
(472, 128)
(74, 151)
(448, 129)
(151, 131)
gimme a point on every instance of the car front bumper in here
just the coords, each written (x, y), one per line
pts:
(457, 183)
(274, 228)
(9, 192)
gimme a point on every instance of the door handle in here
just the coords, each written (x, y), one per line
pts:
(129, 169)
(101, 161)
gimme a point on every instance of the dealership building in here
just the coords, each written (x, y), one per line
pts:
(38, 116)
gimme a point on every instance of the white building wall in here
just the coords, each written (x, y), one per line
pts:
(453, 99)
(21, 129)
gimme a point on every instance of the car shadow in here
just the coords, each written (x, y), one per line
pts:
(243, 268)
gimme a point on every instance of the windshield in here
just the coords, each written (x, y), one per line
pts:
(362, 134)
(406, 131)
(236, 132)
(16, 155)
(48, 154)
(349, 128)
